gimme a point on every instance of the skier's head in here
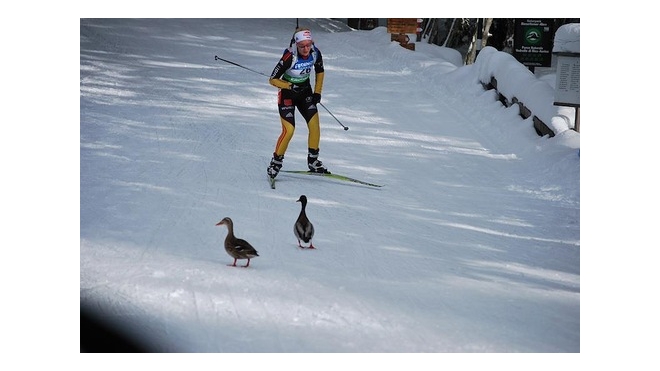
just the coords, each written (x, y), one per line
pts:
(304, 41)
(302, 34)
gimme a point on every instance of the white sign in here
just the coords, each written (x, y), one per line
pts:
(567, 83)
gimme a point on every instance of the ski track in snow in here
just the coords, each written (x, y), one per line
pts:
(453, 254)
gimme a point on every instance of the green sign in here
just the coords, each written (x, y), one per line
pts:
(532, 41)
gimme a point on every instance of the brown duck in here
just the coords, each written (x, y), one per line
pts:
(237, 248)
(303, 228)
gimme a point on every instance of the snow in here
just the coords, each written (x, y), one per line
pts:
(567, 39)
(42, 158)
(472, 245)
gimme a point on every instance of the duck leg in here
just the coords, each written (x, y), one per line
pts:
(306, 247)
(248, 264)
(232, 265)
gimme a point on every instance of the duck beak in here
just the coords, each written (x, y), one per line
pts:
(220, 223)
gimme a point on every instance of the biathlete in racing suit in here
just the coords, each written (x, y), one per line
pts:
(292, 76)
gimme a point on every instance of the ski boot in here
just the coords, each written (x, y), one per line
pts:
(275, 165)
(313, 162)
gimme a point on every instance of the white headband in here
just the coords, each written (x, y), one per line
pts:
(302, 36)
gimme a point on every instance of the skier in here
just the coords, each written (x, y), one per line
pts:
(292, 76)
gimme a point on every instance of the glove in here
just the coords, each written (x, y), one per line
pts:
(316, 98)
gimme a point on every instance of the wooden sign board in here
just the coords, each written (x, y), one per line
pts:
(402, 25)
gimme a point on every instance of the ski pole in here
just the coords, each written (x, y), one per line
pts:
(263, 74)
(241, 66)
(333, 116)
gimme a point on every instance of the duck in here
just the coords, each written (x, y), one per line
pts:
(303, 228)
(237, 248)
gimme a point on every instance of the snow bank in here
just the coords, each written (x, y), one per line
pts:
(518, 84)
(567, 39)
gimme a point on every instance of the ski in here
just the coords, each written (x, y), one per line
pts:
(333, 176)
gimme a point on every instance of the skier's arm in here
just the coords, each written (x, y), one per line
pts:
(320, 71)
(283, 64)
(318, 84)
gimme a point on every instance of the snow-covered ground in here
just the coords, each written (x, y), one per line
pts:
(472, 245)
